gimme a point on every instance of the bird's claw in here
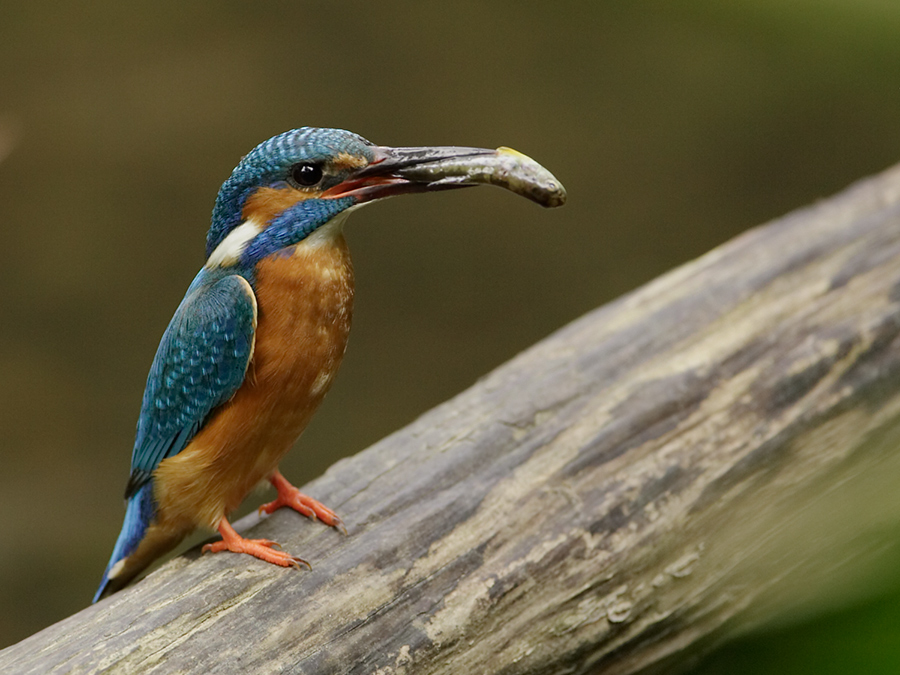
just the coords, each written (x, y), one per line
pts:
(303, 504)
(339, 525)
(264, 549)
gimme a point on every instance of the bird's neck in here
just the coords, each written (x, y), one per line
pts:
(268, 221)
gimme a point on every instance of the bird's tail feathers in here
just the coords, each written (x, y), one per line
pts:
(139, 514)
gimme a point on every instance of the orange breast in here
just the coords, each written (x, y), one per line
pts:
(305, 302)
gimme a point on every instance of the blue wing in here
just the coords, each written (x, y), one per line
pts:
(200, 364)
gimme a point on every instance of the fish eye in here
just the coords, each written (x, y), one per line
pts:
(306, 174)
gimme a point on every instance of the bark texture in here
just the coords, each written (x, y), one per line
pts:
(719, 444)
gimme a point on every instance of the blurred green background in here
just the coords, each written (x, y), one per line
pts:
(674, 126)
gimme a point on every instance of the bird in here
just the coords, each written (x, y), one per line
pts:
(255, 343)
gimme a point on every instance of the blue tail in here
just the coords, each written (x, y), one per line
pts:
(138, 514)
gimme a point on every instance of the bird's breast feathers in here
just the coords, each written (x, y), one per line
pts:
(305, 299)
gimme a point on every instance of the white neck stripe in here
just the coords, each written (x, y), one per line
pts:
(229, 250)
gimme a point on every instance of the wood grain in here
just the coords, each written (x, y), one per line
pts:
(719, 445)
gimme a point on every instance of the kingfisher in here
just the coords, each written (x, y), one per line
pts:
(257, 339)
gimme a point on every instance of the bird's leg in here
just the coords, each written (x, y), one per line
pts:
(290, 496)
(258, 548)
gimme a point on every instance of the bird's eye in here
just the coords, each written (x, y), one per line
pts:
(306, 174)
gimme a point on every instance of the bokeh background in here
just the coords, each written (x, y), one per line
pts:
(674, 126)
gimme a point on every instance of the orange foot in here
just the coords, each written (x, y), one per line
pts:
(258, 548)
(288, 495)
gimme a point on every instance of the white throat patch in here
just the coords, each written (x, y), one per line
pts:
(327, 232)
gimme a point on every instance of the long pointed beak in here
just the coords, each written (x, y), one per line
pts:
(396, 171)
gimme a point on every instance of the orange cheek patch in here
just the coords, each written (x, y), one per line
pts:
(268, 202)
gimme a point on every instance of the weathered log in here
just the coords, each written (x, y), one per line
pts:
(718, 441)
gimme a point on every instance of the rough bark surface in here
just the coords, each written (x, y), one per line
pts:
(718, 441)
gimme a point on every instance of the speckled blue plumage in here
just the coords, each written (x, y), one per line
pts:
(200, 363)
(270, 162)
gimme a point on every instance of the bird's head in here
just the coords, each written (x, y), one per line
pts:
(295, 183)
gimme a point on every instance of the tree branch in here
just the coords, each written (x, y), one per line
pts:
(711, 447)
